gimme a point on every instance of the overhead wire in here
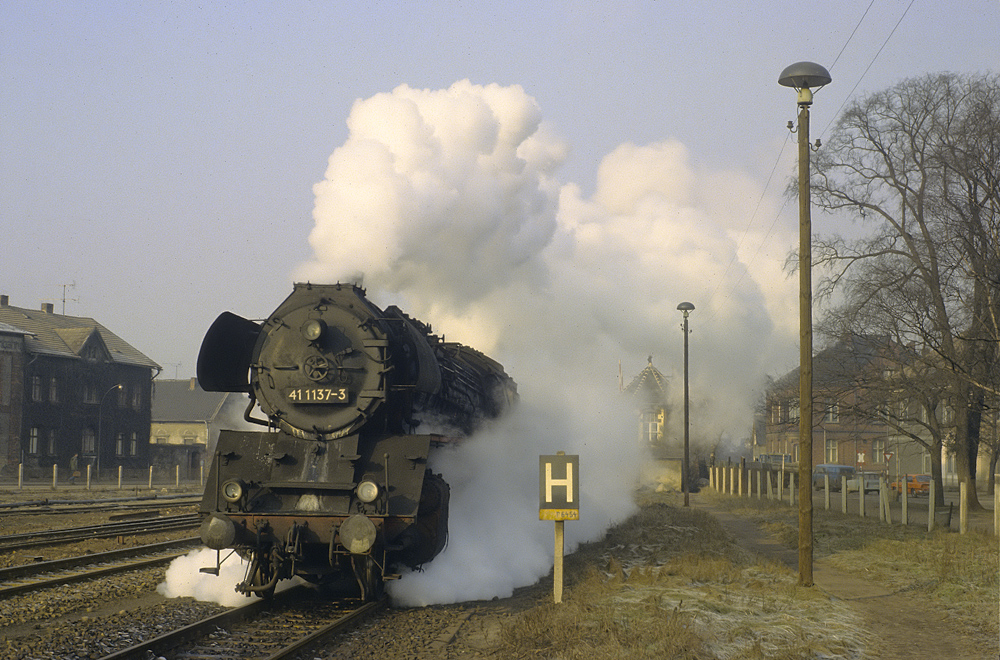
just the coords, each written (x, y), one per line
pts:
(850, 94)
(767, 184)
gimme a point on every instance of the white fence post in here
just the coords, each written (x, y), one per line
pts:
(843, 494)
(963, 507)
(931, 496)
(905, 517)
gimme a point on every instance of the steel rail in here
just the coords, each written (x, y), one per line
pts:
(123, 528)
(68, 578)
(166, 643)
(34, 568)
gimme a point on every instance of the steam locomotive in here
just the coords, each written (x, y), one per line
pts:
(336, 487)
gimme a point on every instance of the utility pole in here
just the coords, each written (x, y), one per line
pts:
(802, 76)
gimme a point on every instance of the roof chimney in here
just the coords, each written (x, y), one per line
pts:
(4, 300)
(48, 307)
(193, 385)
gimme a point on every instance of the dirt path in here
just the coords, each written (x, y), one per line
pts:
(906, 627)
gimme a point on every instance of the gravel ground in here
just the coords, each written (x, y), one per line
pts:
(93, 619)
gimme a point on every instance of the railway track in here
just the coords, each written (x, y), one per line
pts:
(294, 620)
(40, 575)
(107, 530)
(47, 505)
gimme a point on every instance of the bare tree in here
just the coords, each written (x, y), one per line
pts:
(911, 163)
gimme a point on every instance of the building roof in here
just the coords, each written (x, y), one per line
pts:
(185, 401)
(59, 335)
(650, 381)
(839, 365)
(11, 330)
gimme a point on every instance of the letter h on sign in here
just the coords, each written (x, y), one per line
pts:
(559, 487)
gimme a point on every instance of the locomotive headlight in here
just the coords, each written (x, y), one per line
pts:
(313, 329)
(367, 491)
(232, 491)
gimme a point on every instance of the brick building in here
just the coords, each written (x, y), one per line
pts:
(69, 386)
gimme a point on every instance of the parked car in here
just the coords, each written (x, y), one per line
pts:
(869, 479)
(834, 471)
(916, 484)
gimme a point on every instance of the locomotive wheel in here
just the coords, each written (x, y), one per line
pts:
(369, 576)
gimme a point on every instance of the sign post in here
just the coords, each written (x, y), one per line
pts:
(558, 500)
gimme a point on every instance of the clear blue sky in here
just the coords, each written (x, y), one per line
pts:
(161, 155)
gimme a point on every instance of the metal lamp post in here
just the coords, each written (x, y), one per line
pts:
(100, 419)
(803, 77)
(685, 308)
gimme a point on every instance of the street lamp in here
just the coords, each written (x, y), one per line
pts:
(100, 410)
(803, 77)
(685, 308)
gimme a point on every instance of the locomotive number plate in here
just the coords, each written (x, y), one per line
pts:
(317, 395)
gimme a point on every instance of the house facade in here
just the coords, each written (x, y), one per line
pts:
(70, 387)
(844, 429)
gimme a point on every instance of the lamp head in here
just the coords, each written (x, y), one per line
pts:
(685, 307)
(803, 77)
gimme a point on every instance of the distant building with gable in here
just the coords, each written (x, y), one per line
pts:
(69, 386)
(649, 390)
(186, 421)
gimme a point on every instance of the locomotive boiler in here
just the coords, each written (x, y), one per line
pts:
(336, 484)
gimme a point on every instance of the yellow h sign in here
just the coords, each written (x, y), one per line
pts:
(559, 487)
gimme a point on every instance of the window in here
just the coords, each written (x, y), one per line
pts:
(832, 414)
(33, 441)
(650, 430)
(133, 448)
(52, 442)
(36, 388)
(831, 450)
(89, 393)
(54, 390)
(120, 444)
(878, 450)
(137, 398)
(89, 444)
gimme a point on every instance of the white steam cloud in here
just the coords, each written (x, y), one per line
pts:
(183, 578)
(446, 203)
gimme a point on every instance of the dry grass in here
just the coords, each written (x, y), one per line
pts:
(673, 585)
(956, 573)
